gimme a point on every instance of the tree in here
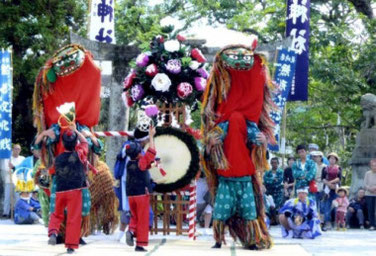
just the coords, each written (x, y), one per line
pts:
(34, 29)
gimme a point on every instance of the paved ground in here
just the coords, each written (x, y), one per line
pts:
(32, 240)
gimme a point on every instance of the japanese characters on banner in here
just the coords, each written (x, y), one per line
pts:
(297, 26)
(5, 104)
(284, 74)
(102, 21)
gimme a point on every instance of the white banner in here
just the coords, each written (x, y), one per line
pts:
(102, 21)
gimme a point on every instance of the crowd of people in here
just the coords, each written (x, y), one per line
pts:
(321, 178)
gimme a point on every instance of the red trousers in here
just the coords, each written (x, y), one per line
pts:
(340, 218)
(139, 224)
(72, 200)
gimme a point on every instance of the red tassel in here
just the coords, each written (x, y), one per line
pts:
(163, 172)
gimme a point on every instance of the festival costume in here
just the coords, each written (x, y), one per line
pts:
(303, 219)
(138, 187)
(72, 76)
(70, 175)
(274, 186)
(236, 108)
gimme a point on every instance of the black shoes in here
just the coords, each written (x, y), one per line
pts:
(52, 239)
(82, 242)
(70, 250)
(140, 249)
(217, 246)
(129, 238)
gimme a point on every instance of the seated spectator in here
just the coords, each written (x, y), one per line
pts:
(298, 217)
(25, 211)
(204, 207)
(357, 210)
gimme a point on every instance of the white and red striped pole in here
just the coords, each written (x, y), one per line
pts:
(113, 134)
(192, 210)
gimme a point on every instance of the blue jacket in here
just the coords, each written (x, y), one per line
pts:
(120, 173)
(21, 210)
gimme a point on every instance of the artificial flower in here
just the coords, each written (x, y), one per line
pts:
(197, 54)
(161, 82)
(151, 70)
(160, 39)
(142, 60)
(194, 65)
(184, 90)
(173, 66)
(172, 46)
(137, 92)
(180, 38)
(129, 79)
(200, 83)
(151, 110)
(203, 73)
(66, 108)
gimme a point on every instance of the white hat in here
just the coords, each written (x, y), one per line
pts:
(302, 190)
(316, 153)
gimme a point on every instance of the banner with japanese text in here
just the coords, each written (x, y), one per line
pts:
(5, 104)
(297, 26)
(284, 74)
(102, 21)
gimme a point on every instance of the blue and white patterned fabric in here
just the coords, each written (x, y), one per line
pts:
(309, 228)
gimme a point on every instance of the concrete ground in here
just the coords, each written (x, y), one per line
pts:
(32, 240)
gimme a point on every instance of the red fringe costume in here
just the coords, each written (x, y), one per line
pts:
(238, 97)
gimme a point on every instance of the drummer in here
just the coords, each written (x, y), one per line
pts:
(138, 187)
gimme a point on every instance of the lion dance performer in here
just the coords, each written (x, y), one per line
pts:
(236, 126)
(66, 92)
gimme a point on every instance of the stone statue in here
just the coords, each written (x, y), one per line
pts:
(368, 103)
(365, 148)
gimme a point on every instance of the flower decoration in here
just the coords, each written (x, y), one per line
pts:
(203, 73)
(169, 71)
(161, 82)
(67, 113)
(137, 92)
(129, 79)
(173, 66)
(200, 83)
(197, 55)
(194, 65)
(180, 38)
(142, 60)
(151, 110)
(151, 70)
(172, 46)
(184, 90)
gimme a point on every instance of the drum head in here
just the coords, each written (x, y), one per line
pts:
(179, 159)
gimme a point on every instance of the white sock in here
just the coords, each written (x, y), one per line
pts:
(120, 236)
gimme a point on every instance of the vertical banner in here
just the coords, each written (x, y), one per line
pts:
(102, 21)
(5, 104)
(284, 74)
(297, 26)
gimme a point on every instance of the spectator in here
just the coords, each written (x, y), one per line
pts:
(204, 207)
(304, 170)
(26, 209)
(314, 147)
(318, 158)
(331, 177)
(357, 210)
(370, 186)
(273, 180)
(341, 204)
(6, 170)
(288, 178)
(298, 217)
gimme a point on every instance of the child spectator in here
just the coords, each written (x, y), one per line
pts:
(342, 202)
(26, 210)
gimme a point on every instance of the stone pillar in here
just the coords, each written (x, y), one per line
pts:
(365, 148)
